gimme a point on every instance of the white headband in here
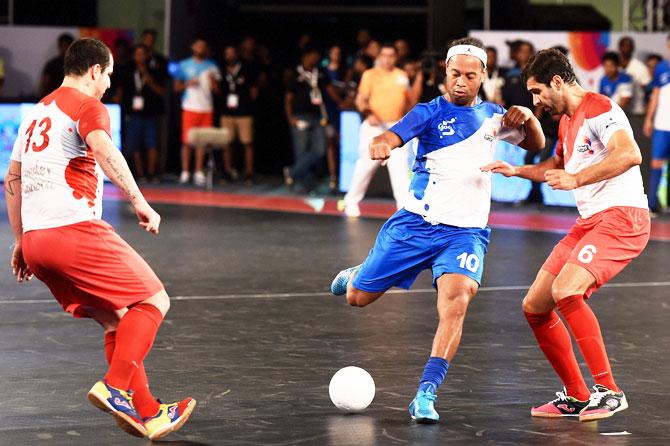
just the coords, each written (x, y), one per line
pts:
(468, 50)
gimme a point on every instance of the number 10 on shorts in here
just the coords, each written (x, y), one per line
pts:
(469, 261)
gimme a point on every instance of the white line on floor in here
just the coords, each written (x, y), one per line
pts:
(319, 294)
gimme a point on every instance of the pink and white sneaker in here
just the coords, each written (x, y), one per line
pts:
(563, 406)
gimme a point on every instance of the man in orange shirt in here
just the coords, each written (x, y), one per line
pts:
(383, 98)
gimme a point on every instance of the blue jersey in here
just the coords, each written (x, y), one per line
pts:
(621, 87)
(448, 186)
(662, 82)
(198, 98)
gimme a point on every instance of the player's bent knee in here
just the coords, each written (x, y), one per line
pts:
(160, 300)
(356, 298)
(454, 305)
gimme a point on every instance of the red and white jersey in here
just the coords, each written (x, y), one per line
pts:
(61, 183)
(582, 142)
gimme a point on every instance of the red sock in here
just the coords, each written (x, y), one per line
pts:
(585, 328)
(134, 337)
(555, 343)
(145, 403)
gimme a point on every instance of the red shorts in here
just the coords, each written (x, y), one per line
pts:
(87, 264)
(603, 244)
(190, 119)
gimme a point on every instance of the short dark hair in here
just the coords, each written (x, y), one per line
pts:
(492, 49)
(150, 31)
(546, 64)
(612, 57)
(85, 53)
(658, 57)
(65, 38)
(468, 41)
(388, 44)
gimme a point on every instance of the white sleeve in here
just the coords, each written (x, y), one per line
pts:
(18, 144)
(608, 123)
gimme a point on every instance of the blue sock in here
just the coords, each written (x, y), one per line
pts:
(433, 374)
(654, 182)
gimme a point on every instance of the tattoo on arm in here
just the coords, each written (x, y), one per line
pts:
(120, 177)
(10, 184)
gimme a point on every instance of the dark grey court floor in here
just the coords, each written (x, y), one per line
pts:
(254, 336)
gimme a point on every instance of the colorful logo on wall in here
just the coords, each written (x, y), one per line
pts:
(588, 48)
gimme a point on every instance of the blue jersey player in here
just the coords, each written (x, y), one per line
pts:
(443, 226)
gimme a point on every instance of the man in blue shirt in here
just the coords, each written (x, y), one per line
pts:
(657, 127)
(615, 84)
(443, 226)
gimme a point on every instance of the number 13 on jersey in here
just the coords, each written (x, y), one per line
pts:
(43, 127)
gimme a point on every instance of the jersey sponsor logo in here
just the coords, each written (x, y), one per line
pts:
(490, 136)
(585, 146)
(446, 127)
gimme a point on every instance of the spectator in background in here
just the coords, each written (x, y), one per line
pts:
(404, 52)
(143, 92)
(429, 82)
(495, 77)
(514, 92)
(123, 66)
(657, 127)
(337, 72)
(383, 98)
(615, 84)
(52, 73)
(157, 61)
(636, 70)
(373, 49)
(363, 38)
(306, 114)
(239, 91)
(651, 61)
(197, 78)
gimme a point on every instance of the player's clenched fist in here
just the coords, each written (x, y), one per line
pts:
(379, 149)
(517, 116)
(560, 179)
(500, 167)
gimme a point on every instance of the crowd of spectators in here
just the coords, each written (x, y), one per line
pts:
(240, 87)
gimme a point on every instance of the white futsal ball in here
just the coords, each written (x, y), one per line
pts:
(351, 389)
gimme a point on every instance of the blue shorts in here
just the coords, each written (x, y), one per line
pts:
(407, 244)
(140, 133)
(660, 145)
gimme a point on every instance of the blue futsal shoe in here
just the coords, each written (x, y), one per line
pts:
(339, 285)
(422, 408)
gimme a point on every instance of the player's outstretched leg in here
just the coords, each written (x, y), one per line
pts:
(555, 342)
(134, 336)
(339, 284)
(454, 291)
(159, 418)
(568, 292)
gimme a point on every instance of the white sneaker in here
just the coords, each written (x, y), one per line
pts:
(184, 177)
(352, 210)
(199, 179)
